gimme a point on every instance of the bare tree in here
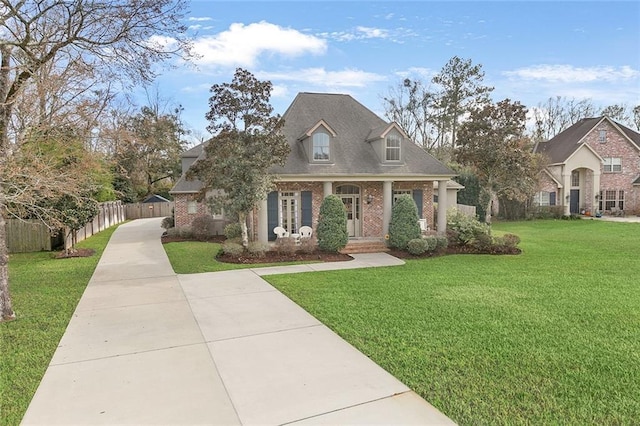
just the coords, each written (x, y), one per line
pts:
(557, 114)
(116, 39)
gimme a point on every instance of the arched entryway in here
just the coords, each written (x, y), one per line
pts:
(350, 196)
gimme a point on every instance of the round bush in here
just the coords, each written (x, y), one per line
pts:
(232, 249)
(332, 225)
(441, 242)
(202, 227)
(404, 225)
(464, 229)
(258, 249)
(431, 243)
(233, 230)
(417, 246)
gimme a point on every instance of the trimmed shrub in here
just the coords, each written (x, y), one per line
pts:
(286, 245)
(417, 246)
(432, 243)
(233, 230)
(258, 249)
(232, 249)
(168, 222)
(182, 232)
(404, 225)
(203, 227)
(463, 229)
(511, 240)
(332, 225)
(441, 242)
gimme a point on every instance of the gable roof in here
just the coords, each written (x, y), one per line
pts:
(564, 144)
(354, 125)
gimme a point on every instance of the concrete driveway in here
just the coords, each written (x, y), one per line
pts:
(147, 346)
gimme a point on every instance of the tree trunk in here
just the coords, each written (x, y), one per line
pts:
(5, 297)
(242, 217)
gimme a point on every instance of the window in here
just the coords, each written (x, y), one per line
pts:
(398, 193)
(289, 211)
(392, 147)
(613, 198)
(192, 207)
(602, 136)
(575, 178)
(321, 147)
(541, 199)
(612, 164)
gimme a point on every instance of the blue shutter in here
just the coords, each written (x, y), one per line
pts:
(307, 212)
(552, 198)
(272, 214)
(417, 197)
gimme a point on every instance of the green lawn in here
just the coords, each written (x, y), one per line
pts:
(45, 292)
(551, 336)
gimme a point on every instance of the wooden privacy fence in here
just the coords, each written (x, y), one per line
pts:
(25, 236)
(147, 210)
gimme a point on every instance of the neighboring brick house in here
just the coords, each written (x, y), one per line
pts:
(594, 167)
(340, 147)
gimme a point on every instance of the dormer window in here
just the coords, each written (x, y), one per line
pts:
(392, 147)
(321, 147)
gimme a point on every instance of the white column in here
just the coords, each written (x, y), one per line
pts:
(387, 205)
(596, 191)
(263, 231)
(442, 207)
(566, 191)
(328, 188)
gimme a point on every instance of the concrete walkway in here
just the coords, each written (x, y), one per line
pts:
(147, 346)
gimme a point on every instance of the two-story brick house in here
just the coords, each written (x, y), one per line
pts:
(594, 166)
(340, 147)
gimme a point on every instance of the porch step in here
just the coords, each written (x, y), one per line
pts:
(365, 246)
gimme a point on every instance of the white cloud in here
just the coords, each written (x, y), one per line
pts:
(361, 32)
(327, 79)
(241, 44)
(571, 74)
(199, 19)
(417, 72)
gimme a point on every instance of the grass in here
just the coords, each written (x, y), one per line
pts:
(551, 336)
(45, 292)
(191, 257)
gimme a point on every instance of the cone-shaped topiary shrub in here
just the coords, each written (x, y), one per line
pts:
(332, 225)
(404, 225)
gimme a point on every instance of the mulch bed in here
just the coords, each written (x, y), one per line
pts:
(276, 257)
(79, 252)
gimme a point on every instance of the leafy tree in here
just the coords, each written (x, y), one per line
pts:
(404, 225)
(148, 155)
(332, 225)
(246, 144)
(74, 213)
(492, 144)
(114, 39)
(461, 84)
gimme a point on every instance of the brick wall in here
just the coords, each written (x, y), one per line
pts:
(617, 146)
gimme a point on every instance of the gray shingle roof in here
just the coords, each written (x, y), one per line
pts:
(353, 155)
(354, 125)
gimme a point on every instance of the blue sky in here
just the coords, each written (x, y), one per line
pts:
(529, 50)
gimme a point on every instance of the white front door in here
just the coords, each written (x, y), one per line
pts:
(352, 210)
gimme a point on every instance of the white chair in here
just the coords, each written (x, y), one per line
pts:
(280, 232)
(305, 231)
(423, 225)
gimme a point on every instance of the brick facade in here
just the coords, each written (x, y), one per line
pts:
(617, 145)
